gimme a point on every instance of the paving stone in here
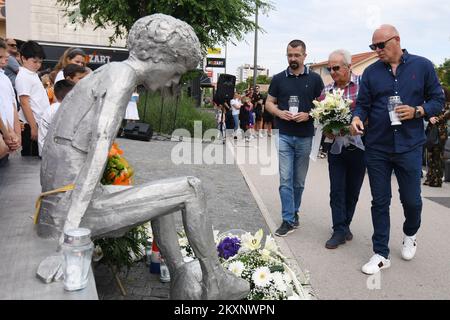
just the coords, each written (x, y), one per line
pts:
(160, 293)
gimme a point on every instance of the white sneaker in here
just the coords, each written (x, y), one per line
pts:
(375, 264)
(409, 247)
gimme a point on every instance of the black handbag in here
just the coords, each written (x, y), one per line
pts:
(432, 137)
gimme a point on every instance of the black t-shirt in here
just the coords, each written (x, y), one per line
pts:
(307, 86)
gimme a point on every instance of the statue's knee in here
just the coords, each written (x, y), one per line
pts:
(195, 183)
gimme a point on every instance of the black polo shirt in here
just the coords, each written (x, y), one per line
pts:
(307, 86)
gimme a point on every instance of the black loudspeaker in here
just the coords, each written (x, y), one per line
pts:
(138, 131)
(225, 88)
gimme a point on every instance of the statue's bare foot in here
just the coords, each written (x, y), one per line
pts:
(222, 285)
(225, 286)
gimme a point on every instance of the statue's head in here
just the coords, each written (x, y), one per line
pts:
(169, 46)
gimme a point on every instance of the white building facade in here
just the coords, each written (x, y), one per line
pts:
(47, 23)
(44, 20)
(245, 71)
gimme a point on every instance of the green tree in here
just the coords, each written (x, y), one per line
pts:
(241, 87)
(214, 21)
(260, 79)
(443, 72)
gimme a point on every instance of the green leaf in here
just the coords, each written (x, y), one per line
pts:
(214, 21)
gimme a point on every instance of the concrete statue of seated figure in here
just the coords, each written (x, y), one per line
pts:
(161, 48)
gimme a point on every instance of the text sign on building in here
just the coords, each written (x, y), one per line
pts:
(214, 51)
(215, 62)
(96, 57)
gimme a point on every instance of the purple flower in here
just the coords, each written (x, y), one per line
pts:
(228, 247)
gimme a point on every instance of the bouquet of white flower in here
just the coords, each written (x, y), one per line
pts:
(265, 268)
(333, 113)
(333, 116)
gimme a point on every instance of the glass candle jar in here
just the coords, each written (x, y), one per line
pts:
(77, 249)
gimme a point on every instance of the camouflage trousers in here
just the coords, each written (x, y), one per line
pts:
(435, 162)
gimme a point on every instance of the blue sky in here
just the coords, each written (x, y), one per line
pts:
(424, 28)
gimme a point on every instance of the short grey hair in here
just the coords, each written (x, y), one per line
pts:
(160, 37)
(345, 55)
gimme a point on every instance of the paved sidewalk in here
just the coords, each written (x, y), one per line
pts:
(335, 274)
(21, 250)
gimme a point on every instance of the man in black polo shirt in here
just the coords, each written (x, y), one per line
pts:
(296, 129)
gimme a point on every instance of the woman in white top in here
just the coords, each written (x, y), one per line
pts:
(236, 104)
(71, 55)
(132, 111)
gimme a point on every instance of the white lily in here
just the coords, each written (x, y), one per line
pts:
(183, 241)
(271, 245)
(251, 242)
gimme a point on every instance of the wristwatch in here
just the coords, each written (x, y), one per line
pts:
(417, 113)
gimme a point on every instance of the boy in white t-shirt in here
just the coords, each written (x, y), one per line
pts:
(236, 104)
(32, 95)
(8, 111)
(61, 88)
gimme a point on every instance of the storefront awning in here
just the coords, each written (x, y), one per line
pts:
(97, 55)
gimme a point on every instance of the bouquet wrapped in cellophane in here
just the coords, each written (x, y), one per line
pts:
(333, 113)
(263, 266)
(117, 171)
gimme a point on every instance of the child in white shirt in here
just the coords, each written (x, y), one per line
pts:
(32, 95)
(61, 89)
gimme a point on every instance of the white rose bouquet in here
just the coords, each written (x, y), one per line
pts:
(333, 113)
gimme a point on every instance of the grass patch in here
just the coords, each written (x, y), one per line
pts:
(168, 118)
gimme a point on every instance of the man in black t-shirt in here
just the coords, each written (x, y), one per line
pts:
(296, 129)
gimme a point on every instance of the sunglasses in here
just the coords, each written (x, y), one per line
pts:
(380, 45)
(335, 68)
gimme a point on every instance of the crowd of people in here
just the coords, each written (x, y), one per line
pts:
(30, 96)
(245, 114)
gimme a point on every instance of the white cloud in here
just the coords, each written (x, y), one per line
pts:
(424, 28)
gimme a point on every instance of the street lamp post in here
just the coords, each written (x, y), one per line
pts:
(255, 61)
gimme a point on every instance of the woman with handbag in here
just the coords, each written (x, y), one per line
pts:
(435, 151)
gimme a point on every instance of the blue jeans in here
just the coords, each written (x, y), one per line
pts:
(407, 168)
(236, 121)
(346, 171)
(293, 153)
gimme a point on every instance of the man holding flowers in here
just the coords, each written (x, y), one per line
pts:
(345, 165)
